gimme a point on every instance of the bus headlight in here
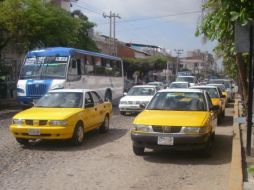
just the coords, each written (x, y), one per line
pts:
(57, 86)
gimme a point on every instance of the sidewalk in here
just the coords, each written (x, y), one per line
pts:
(239, 177)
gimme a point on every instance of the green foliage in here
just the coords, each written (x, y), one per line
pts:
(218, 24)
(144, 65)
(34, 23)
(251, 169)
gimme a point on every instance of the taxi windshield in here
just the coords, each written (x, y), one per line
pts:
(213, 93)
(61, 100)
(178, 101)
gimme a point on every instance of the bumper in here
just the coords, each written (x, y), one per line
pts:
(44, 132)
(130, 108)
(181, 141)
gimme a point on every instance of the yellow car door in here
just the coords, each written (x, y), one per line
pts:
(100, 108)
(90, 112)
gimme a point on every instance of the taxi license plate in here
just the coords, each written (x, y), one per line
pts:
(35, 132)
(165, 140)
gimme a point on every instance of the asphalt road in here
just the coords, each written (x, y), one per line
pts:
(106, 161)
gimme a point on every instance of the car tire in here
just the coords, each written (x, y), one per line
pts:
(122, 112)
(139, 151)
(105, 125)
(78, 135)
(108, 96)
(206, 152)
(22, 141)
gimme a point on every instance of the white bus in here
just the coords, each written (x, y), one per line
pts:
(61, 67)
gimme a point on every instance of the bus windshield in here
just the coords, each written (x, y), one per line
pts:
(44, 67)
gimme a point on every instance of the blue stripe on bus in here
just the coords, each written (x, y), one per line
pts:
(63, 51)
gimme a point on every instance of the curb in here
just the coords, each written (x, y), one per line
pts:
(235, 173)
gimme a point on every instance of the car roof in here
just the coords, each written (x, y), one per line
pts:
(154, 82)
(203, 86)
(182, 90)
(186, 76)
(145, 86)
(175, 82)
(71, 90)
(211, 84)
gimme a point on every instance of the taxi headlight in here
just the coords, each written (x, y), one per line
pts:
(193, 130)
(58, 122)
(143, 128)
(18, 121)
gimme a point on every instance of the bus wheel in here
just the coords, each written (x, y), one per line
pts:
(108, 96)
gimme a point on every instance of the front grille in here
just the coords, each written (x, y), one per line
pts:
(29, 122)
(41, 135)
(36, 89)
(166, 129)
(36, 122)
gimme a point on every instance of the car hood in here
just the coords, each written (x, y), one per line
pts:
(136, 98)
(172, 118)
(47, 113)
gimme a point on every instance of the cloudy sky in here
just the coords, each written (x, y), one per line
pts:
(166, 23)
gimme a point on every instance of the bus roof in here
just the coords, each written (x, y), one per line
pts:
(64, 51)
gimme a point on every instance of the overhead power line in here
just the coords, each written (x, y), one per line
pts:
(158, 17)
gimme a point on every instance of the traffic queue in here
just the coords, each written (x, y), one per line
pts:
(183, 116)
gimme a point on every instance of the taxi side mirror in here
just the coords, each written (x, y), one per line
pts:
(215, 108)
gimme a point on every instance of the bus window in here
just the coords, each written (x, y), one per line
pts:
(98, 67)
(116, 68)
(108, 68)
(89, 66)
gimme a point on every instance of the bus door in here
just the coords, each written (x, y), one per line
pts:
(74, 74)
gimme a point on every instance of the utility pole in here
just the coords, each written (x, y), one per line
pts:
(112, 43)
(178, 52)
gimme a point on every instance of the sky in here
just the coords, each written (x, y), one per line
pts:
(170, 24)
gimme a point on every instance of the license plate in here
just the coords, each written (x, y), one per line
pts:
(34, 132)
(165, 140)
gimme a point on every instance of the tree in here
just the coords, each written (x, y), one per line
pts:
(218, 24)
(34, 24)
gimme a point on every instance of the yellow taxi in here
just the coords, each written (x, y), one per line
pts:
(223, 91)
(62, 114)
(181, 119)
(218, 99)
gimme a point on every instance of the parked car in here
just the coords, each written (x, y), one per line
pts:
(62, 114)
(228, 85)
(190, 79)
(179, 85)
(218, 99)
(136, 96)
(181, 119)
(223, 90)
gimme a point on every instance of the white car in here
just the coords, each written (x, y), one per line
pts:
(136, 99)
(191, 79)
(179, 85)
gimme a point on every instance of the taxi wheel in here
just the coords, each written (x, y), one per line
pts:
(78, 135)
(206, 152)
(139, 151)
(22, 141)
(105, 125)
